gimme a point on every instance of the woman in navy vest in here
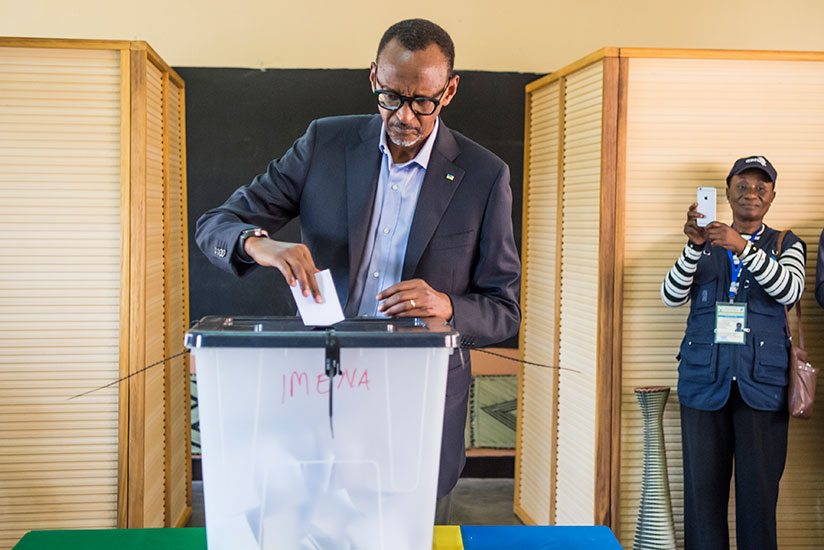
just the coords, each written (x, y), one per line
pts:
(732, 376)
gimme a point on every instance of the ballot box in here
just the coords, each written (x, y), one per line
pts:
(320, 438)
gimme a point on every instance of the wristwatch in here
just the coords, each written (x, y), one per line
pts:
(254, 232)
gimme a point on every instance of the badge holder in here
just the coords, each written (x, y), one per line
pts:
(731, 323)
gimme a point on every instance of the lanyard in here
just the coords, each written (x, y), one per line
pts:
(735, 270)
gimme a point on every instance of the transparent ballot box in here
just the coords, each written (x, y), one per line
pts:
(292, 461)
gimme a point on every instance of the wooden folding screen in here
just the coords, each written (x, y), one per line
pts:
(668, 121)
(93, 287)
(538, 387)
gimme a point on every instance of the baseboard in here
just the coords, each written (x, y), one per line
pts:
(489, 467)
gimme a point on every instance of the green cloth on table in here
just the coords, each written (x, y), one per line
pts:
(189, 538)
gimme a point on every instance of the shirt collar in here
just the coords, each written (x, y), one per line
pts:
(422, 158)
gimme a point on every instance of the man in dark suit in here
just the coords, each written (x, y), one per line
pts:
(412, 218)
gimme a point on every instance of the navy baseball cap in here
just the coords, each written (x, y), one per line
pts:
(757, 162)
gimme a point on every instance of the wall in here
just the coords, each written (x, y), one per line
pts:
(528, 36)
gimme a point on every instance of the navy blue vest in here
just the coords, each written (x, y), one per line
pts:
(760, 365)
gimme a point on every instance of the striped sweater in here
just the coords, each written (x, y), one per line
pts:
(783, 279)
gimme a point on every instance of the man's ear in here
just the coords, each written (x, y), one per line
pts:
(728, 192)
(372, 70)
(451, 90)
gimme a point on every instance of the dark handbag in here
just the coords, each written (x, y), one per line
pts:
(802, 375)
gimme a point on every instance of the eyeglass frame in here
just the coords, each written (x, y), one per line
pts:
(411, 100)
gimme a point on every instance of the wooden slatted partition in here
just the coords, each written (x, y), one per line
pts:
(92, 156)
(155, 327)
(688, 120)
(535, 462)
(59, 288)
(178, 433)
(161, 476)
(575, 476)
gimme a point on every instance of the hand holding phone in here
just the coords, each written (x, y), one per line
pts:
(705, 197)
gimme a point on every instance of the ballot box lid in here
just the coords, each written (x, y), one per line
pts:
(290, 332)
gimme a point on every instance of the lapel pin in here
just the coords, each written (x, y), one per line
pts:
(450, 177)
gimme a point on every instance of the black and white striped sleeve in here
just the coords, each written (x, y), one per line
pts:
(783, 279)
(675, 290)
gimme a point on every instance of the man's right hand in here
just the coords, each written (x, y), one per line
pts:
(293, 260)
(696, 235)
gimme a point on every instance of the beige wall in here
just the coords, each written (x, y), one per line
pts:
(529, 36)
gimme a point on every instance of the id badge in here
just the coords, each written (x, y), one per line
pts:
(730, 323)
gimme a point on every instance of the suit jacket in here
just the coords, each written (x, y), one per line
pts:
(460, 241)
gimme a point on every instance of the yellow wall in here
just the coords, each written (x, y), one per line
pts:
(528, 36)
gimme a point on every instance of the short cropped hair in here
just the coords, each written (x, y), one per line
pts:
(418, 34)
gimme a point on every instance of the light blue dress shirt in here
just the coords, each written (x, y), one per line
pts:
(395, 199)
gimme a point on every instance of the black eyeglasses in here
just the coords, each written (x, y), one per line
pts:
(423, 106)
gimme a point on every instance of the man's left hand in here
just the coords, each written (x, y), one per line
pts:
(721, 234)
(414, 298)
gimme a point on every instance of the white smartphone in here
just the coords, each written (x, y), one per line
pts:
(706, 205)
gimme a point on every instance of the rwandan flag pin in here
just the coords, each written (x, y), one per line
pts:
(450, 177)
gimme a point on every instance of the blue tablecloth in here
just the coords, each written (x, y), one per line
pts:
(538, 538)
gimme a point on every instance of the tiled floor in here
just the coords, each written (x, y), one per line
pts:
(478, 501)
(475, 501)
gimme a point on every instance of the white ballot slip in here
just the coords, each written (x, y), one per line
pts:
(324, 314)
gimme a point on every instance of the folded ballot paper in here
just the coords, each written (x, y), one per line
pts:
(322, 314)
